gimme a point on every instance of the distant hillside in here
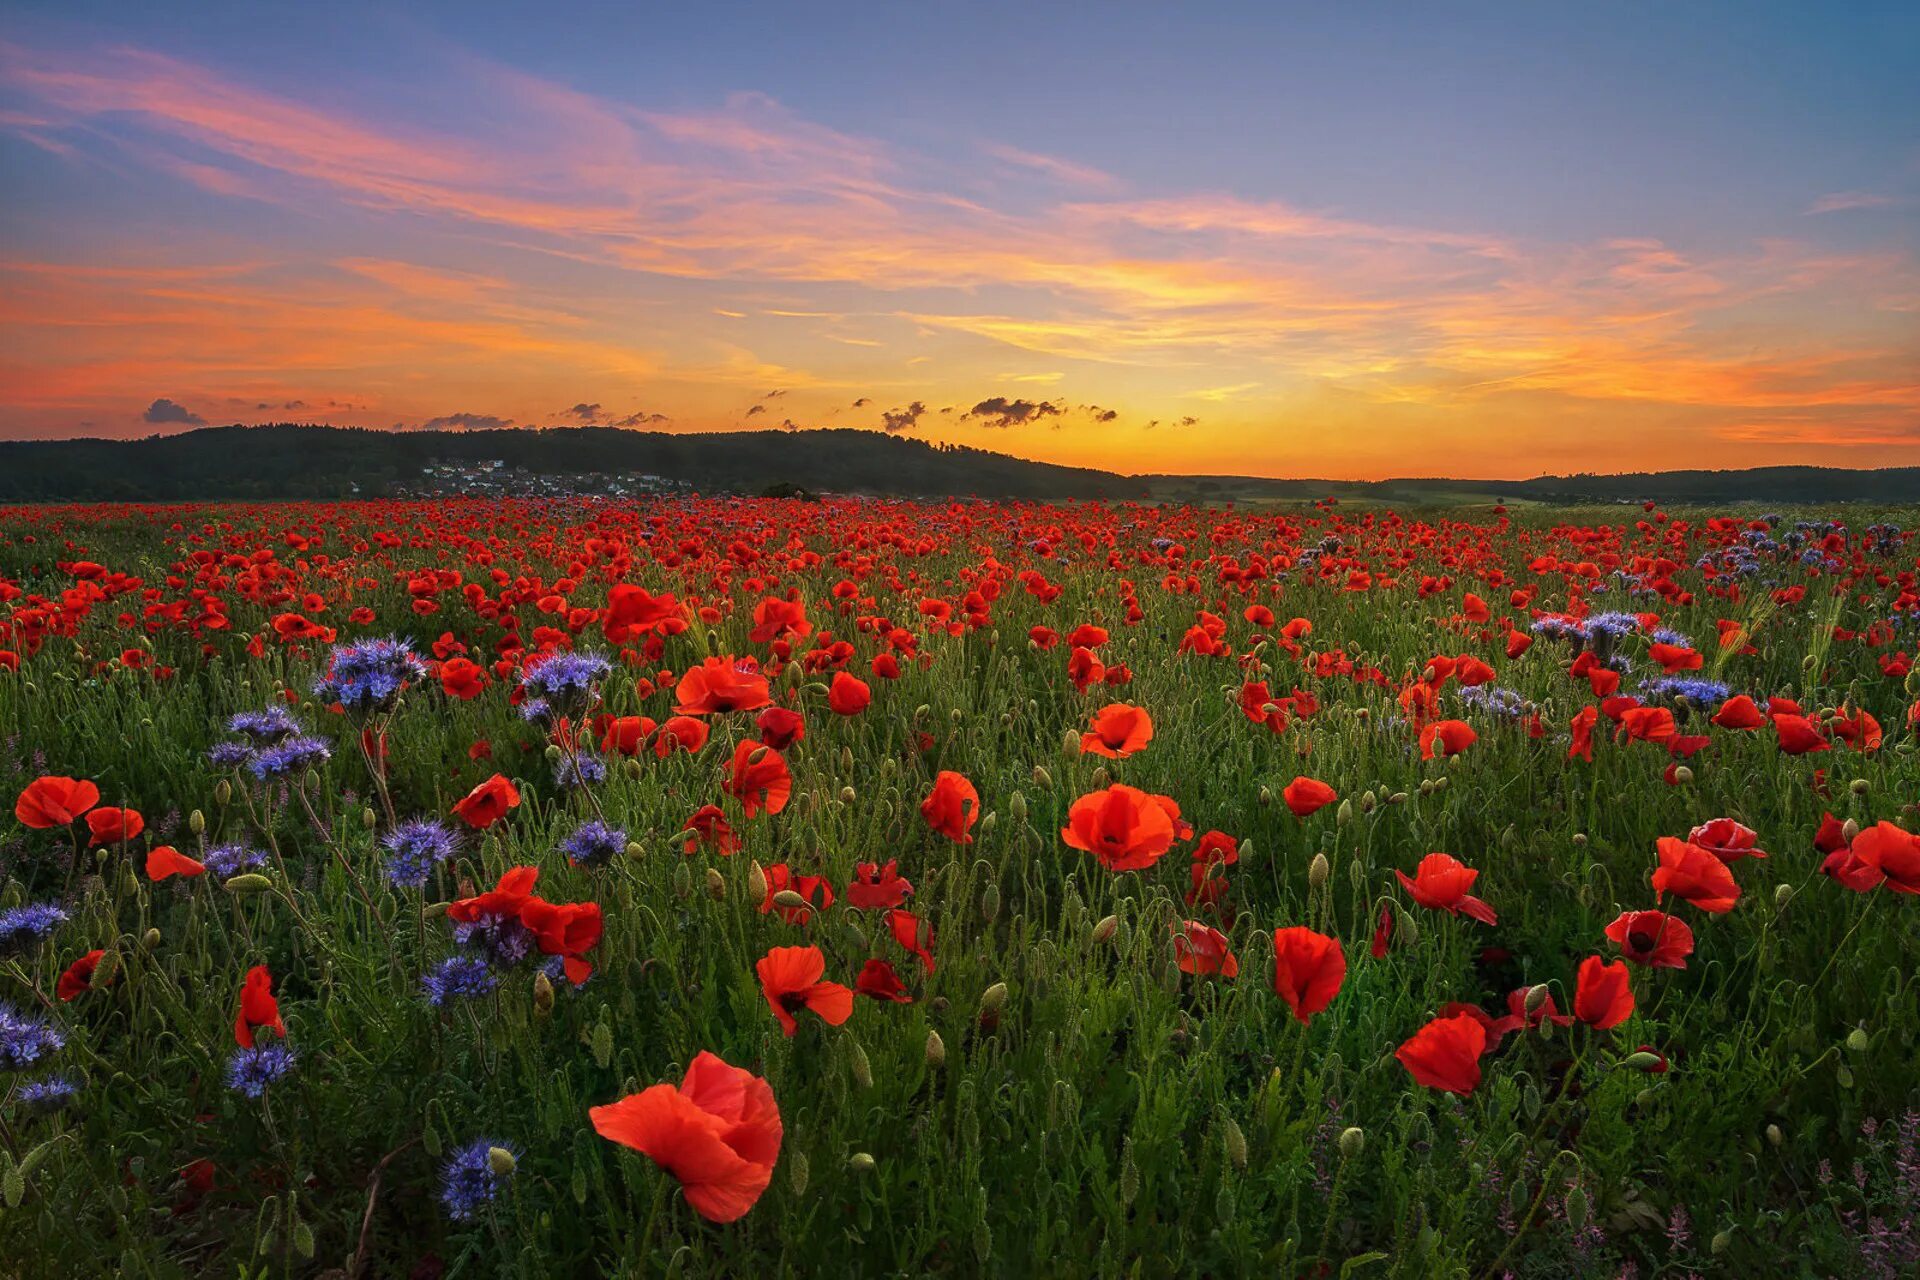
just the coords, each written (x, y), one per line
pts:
(292, 462)
(287, 461)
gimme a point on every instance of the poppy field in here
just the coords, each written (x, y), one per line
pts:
(763, 888)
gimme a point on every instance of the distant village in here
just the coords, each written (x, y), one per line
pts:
(493, 478)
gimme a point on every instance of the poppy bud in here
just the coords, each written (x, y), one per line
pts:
(222, 792)
(602, 1045)
(1357, 874)
(1577, 1209)
(1246, 849)
(920, 712)
(542, 992)
(1105, 930)
(860, 1162)
(1406, 930)
(1236, 1142)
(1017, 806)
(248, 882)
(1844, 1075)
(716, 885)
(1774, 1136)
(990, 903)
(1536, 996)
(862, 1069)
(797, 1170)
(1070, 744)
(434, 910)
(936, 1050)
(1857, 1040)
(1041, 778)
(1317, 871)
(788, 898)
(1426, 786)
(631, 767)
(1101, 778)
(848, 795)
(197, 823)
(756, 882)
(1352, 1142)
(553, 751)
(1724, 1238)
(1367, 801)
(1849, 829)
(1682, 775)
(151, 940)
(1643, 1060)
(993, 997)
(1266, 796)
(988, 822)
(1344, 814)
(1398, 797)
(1580, 839)
(501, 1161)
(104, 971)
(1782, 895)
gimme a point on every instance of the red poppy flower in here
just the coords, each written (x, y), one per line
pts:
(625, 735)
(1603, 996)
(780, 727)
(952, 807)
(1798, 736)
(504, 899)
(1202, 949)
(1440, 883)
(1727, 840)
(1652, 938)
(565, 929)
(112, 826)
(54, 802)
(487, 803)
(78, 976)
(720, 685)
(462, 678)
(780, 879)
(913, 934)
(790, 978)
(709, 827)
(1119, 729)
(848, 695)
(1124, 827)
(258, 1008)
(1446, 738)
(1445, 1054)
(1880, 854)
(874, 886)
(718, 1133)
(1696, 875)
(1308, 795)
(1739, 712)
(1216, 848)
(680, 733)
(631, 611)
(878, 981)
(1382, 934)
(164, 860)
(1308, 969)
(759, 778)
(1859, 731)
(1582, 727)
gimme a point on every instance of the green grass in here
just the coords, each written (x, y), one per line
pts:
(1117, 1117)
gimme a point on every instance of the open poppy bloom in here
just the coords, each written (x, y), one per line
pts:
(1603, 995)
(878, 981)
(1798, 735)
(848, 695)
(780, 879)
(790, 978)
(874, 886)
(1652, 938)
(164, 860)
(565, 929)
(54, 802)
(1446, 738)
(720, 685)
(913, 934)
(1696, 875)
(258, 1008)
(952, 807)
(78, 977)
(625, 735)
(1440, 883)
(112, 826)
(487, 803)
(1739, 712)
(759, 778)
(1308, 968)
(780, 727)
(718, 1133)
(1727, 840)
(1445, 1054)
(505, 899)
(1124, 827)
(1308, 795)
(1118, 730)
(709, 827)
(1202, 949)
(462, 678)
(1881, 854)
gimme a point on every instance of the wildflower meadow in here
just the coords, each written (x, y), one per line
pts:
(746, 887)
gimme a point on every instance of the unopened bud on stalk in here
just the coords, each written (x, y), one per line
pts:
(1041, 778)
(1344, 814)
(1774, 1136)
(1857, 1040)
(1580, 839)
(1266, 795)
(860, 1162)
(993, 997)
(862, 1069)
(1578, 1208)
(151, 940)
(1317, 871)
(542, 993)
(368, 818)
(1723, 1239)
(249, 882)
(1682, 775)
(716, 885)
(635, 851)
(501, 1161)
(789, 899)
(1849, 829)
(756, 882)
(848, 795)
(553, 751)
(1352, 1142)
(1101, 778)
(197, 823)
(990, 903)
(988, 822)
(1782, 895)
(1536, 996)
(1398, 797)
(936, 1050)
(682, 880)
(1641, 1060)
(223, 792)
(1017, 807)
(1104, 931)
(104, 971)
(1236, 1142)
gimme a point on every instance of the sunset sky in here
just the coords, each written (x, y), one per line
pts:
(1428, 240)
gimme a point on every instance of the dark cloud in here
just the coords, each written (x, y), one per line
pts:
(775, 394)
(898, 420)
(165, 410)
(465, 422)
(998, 411)
(788, 424)
(1099, 414)
(862, 403)
(759, 408)
(641, 418)
(1189, 422)
(583, 412)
